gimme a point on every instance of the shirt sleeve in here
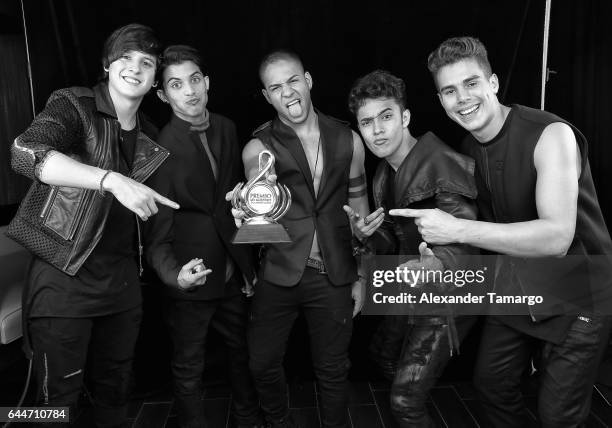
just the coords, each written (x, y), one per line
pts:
(58, 127)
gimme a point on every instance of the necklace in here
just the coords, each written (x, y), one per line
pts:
(317, 159)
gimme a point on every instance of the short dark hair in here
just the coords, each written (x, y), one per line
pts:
(277, 55)
(377, 84)
(457, 49)
(177, 54)
(131, 37)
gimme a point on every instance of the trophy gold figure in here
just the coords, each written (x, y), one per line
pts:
(263, 203)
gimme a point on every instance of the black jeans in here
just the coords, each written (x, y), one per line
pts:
(189, 322)
(61, 347)
(413, 354)
(328, 312)
(567, 373)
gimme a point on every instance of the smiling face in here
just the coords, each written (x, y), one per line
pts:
(185, 88)
(384, 128)
(132, 75)
(469, 98)
(287, 89)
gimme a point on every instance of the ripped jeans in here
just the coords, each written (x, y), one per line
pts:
(61, 346)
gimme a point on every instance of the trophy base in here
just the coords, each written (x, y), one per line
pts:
(270, 233)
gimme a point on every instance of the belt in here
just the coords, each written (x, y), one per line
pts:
(317, 264)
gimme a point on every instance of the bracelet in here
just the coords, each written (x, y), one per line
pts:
(101, 189)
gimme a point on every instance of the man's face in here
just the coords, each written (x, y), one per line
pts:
(185, 88)
(468, 96)
(287, 88)
(132, 74)
(382, 123)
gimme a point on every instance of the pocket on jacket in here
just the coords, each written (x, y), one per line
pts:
(63, 211)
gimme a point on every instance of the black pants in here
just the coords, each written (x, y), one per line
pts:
(189, 322)
(61, 346)
(328, 312)
(413, 353)
(567, 373)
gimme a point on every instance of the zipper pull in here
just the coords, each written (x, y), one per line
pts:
(140, 248)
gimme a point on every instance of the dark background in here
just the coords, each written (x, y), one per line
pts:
(338, 41)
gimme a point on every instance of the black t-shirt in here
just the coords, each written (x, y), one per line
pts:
(108, 280)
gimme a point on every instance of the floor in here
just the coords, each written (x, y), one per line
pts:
(452, 405)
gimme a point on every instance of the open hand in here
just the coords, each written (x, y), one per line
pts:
(364, 227)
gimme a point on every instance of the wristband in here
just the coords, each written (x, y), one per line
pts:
(101, 189)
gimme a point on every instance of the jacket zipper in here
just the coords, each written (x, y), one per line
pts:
(45, 385)
(140, 247)
(80, 214)
(48, 202)
(153, 163)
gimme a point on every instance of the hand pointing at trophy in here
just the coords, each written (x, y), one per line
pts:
(259, 204)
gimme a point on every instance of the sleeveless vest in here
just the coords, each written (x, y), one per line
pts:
(284, 264)
(506, 180)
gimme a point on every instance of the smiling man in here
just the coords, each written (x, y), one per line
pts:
(415, 173)
(191, 249)
(321, 161)
(536, 199)
(88, 152)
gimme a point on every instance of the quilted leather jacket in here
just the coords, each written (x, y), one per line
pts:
(62, 225)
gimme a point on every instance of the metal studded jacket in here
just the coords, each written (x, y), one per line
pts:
(62, 225)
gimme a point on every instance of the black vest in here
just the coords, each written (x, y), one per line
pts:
(284, 264)
(506, 180)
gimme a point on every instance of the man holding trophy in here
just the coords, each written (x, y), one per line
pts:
(320, 160)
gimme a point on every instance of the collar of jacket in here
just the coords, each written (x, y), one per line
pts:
(431, 167)
(104, 102)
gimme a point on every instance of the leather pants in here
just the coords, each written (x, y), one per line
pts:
(424, 353)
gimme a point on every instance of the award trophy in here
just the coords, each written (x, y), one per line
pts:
(263, 203)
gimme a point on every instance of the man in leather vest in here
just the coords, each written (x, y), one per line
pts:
(423, 173)
(190, 248)
(321, 161)
(537, 203)
(88, 152)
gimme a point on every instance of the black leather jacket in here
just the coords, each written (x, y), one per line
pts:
(62, 225)
(431, 176)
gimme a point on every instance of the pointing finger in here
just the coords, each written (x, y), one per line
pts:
(407, 212)
(165, 201)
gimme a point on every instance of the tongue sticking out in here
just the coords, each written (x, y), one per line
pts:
(295, 109)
